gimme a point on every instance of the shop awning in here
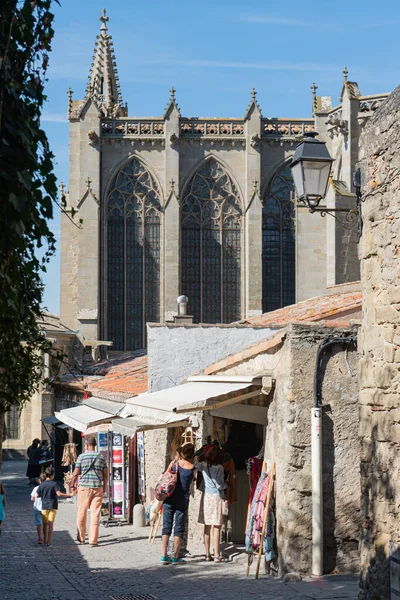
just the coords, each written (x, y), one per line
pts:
(201, 393)
(131, 425)
(51, 420)
(108, 406)
(99, 428)
(80, 417)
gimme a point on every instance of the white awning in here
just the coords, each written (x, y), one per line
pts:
(131, 425)
(201, 393)
(108, 406)
(80, 417)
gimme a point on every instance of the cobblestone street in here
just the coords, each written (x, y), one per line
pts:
(124, 564)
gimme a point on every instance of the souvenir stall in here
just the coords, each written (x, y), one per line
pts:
(115, 449)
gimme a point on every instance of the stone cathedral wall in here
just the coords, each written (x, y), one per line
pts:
(379, 346)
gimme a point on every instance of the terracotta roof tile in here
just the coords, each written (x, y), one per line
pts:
(319, 308)
(125, 375)
(335, 310)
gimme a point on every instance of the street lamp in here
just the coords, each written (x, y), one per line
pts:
(311, 167)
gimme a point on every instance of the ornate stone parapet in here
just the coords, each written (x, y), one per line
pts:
(285, 129)
(212, 128)
(368, 105)
(118, 128)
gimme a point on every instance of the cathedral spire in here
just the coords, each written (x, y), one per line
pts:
(103, 85)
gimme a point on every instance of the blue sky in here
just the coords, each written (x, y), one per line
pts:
(214, 52)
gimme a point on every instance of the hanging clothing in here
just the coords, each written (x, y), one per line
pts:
(254, 473)
(256, 519)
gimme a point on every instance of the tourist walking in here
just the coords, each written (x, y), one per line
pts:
(212, 499)
(176, 505)
(91, 468)
(37, 509)
(33, 469)
(49, 492)
(2, 505)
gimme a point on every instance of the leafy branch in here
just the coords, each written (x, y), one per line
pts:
(28, 192)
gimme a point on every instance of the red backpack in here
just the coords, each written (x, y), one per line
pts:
(166, 485)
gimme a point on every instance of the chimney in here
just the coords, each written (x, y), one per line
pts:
(182, 318)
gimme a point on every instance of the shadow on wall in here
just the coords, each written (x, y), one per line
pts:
(377, 497)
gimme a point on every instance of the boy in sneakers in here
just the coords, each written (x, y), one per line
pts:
(37, 509)
(49, 492)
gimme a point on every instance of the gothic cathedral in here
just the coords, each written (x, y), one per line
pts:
(203, 207)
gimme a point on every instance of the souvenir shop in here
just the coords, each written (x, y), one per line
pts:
(233, 414)
(79, 421)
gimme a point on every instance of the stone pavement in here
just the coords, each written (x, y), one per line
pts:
(124, 564)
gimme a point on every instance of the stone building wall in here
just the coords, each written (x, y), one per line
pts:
(176, 351)
(288, 443)
(379, 344)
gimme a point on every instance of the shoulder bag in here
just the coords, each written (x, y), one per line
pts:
(166, 485)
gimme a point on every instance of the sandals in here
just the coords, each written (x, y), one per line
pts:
(219, 559)
(208, 558)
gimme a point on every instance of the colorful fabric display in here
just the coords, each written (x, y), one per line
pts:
(256, 519)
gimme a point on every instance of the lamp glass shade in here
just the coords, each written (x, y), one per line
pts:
(298, 179)
(315, 178)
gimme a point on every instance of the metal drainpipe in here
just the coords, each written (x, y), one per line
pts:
(317, 460)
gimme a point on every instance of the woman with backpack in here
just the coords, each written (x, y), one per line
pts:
(176, 505)
(212, 499)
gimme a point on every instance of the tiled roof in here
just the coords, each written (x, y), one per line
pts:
(49, 322)
(125, 375)
(333, 310)
(320, 308)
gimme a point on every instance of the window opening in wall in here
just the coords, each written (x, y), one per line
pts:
(133, 256)
(278, 242)
(211, 224)
(12, 424)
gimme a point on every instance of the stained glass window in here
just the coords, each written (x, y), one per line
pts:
(278, 242)
(133, 256)
(211, 224)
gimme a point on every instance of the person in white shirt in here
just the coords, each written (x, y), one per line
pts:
(37, 509)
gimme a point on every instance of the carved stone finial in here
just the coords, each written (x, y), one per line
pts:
(172, 184)
(255, 185)
(88, 184)
(345, 73)
(254, 95)
(172, 96)
(314, 88)
(69, 93)
(62, 188)
(104, 20)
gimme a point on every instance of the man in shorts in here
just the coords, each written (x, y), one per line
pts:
(49, 492)
(91, 468)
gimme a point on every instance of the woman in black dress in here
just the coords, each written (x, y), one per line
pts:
(33, 469)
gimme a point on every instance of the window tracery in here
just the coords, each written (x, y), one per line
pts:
(133, 256)
(278, 242)
(211, 223)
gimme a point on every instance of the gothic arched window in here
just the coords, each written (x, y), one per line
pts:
(211, 219)
(133, 256)
(278, 242)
